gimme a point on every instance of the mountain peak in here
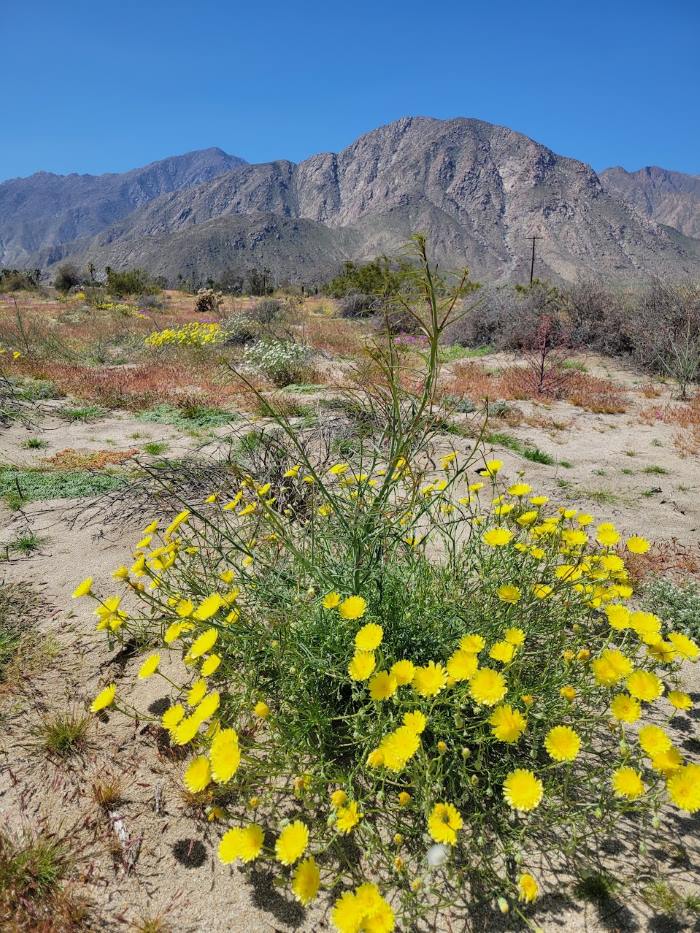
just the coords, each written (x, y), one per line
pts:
(477, 189)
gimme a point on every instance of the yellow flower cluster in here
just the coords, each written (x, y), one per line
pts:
(407, 707)
(194, 334)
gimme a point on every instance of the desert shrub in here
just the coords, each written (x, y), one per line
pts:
(151, 302)
(282, 362)
(267, 311)
(665, 328)
(483, 324)
(209, 301)
(95, 294)
(67, 276)
(598, 317)
(358, 305)
(420, 682)
(16, 280)
(240, 329)
(231, 282)
(130, 282)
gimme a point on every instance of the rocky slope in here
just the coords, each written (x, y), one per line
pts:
(478, 190)
(671, 198)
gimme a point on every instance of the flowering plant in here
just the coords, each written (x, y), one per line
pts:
(400, 678)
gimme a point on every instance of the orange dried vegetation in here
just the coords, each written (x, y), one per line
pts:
(71, 459)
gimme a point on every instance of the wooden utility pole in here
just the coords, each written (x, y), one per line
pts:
(532, 261)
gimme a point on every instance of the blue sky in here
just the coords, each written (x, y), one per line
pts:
(105, 86)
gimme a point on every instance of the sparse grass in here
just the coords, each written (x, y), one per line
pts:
(454, 352)
(155, 448)
(107, 791)
(26, 543)
(34, 868)
(64, 734)
(566, 464)
(601, 496)
(19, 607)
(516, 445)
(654, 469)
(11, 629)
(576, 365)
(538, 456)
(83, 413)
(660, 896)
(18, 486)
(149, 924)
(627, 472)
(35, 443)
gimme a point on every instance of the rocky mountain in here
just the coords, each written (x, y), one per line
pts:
(479, 191)
(47, 210)
(670, 198)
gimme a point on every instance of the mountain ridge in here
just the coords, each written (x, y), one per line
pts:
(669, 197)
(478, 190)
(51, 209)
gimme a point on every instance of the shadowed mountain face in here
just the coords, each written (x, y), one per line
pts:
(479, 191)
(670, 198)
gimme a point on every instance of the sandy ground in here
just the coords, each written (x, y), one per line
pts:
(177, 875)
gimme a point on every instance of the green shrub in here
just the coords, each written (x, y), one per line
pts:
(678, 602)
(130, 282)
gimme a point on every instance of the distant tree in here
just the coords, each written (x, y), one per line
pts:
(381, 277)
(68, 276)
(231, 282)
(258, 282)
(130, 282)
(15, 280)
